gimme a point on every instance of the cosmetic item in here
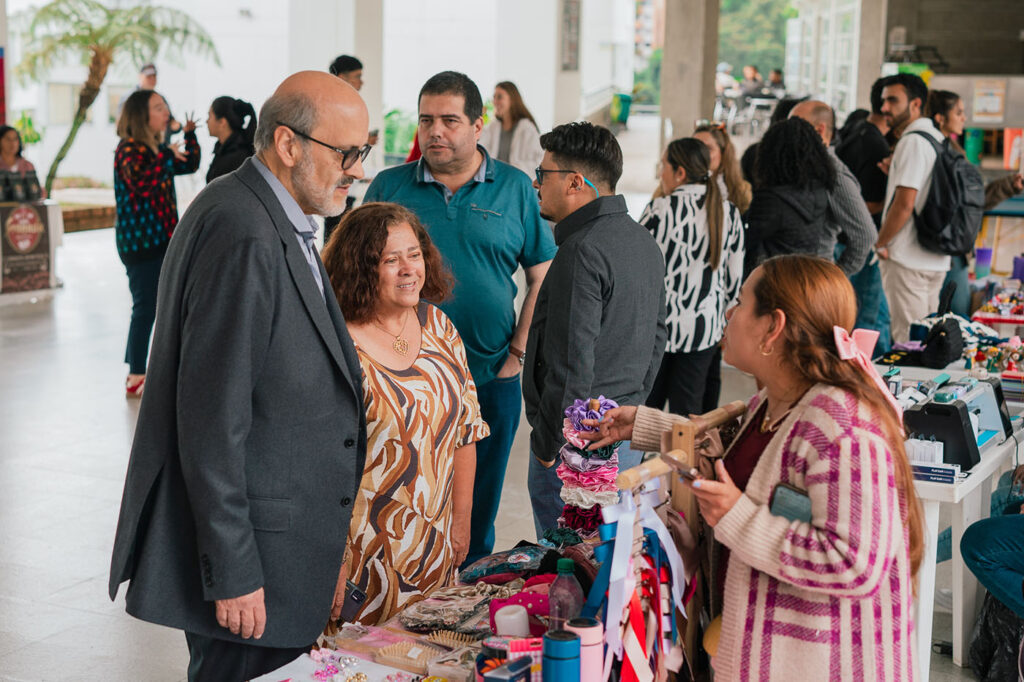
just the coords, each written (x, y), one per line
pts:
(591, 635)
(512, 621)
(561, 656)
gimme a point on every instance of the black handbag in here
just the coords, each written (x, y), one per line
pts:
(944, 343)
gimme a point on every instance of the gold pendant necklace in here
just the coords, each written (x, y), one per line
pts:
(766, 423)
(400, 345)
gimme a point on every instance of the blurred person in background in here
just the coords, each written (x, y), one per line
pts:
(513, 137)
(233, 122)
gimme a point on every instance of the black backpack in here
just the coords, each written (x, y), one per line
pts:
(951, 217)
(944, 342)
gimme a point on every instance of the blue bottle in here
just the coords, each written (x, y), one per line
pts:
(561, 657)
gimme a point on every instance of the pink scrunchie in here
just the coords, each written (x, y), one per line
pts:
(858, 348)
(599, 480)
(573, 436)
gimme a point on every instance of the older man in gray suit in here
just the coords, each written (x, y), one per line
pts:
(251, 435)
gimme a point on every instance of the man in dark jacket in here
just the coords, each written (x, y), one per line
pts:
(599, 324)
(251, 436)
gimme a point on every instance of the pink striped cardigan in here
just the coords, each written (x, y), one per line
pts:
(828, 600)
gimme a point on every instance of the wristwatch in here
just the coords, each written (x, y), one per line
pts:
(520, 354)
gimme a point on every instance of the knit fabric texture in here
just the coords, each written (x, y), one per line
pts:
(147, 209)
(827, 600)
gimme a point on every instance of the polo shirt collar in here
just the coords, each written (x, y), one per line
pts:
(602, 206)
(485, 173)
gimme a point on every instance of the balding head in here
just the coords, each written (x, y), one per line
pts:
(312, 104)
(819, 115)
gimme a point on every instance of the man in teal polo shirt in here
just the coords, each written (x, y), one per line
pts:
(484, 217)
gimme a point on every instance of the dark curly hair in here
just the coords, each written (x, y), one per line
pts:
(352, 259)
(792, 153)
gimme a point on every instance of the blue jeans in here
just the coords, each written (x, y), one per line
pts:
(872, 306)
(501, 403)
(962, 297)
(142, 282)
(993, 550)
(545, 488)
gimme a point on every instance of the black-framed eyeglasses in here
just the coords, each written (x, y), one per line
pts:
(539, 173)
(348, 156)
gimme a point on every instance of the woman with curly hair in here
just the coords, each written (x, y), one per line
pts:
(410, 522)
(725, 167)
(793, 175)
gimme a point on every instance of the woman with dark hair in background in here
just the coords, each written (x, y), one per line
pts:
(725, 167)
(946, 109)
(147, 211)
(779, 114)
(513, 137)
(233, 122)
(793, 175)
(11, 159)
(701, 235)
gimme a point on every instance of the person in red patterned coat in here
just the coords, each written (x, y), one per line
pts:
(147, 211)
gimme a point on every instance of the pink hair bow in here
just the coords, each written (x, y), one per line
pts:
(859, 348)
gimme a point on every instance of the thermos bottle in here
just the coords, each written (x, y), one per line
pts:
(591, 646)
(561, 657)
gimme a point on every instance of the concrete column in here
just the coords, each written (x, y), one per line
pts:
(568, 84)
(872, 48)
(368, 27)
(688, 64)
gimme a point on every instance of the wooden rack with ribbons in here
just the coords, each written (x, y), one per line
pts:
(679, 446)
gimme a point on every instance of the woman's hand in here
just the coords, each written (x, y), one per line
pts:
(616, 425)
(460, 539)
(885, 164)
(176, 149)
(716, 498)
(190, 122)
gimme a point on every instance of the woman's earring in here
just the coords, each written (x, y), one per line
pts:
(765, 352)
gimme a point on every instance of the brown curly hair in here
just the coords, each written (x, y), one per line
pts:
(352, 259)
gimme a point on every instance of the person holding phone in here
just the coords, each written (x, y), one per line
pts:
(820, 588)
(411, 520)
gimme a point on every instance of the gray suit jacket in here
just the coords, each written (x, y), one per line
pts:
(251, 435)
(599, 324)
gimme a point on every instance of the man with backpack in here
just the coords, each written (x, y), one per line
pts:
(912, 274)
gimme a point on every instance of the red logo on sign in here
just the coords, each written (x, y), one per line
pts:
(24, 229)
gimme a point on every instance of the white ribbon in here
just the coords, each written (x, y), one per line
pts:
(649, 520)
(621, 582)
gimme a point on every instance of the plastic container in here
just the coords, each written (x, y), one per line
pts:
(982, 262)
(565, 596)
(561, 657)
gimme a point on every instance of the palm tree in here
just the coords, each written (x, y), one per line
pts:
(87, 30)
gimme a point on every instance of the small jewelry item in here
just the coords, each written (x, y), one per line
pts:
(400, 345)
(766, 424)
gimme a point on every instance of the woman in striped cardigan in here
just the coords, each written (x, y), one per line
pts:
(829, 597)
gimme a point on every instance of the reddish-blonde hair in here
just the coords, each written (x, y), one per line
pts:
(815, 295)
(740, 193)
(352, 259)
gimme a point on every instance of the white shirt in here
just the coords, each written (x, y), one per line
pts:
(912, 165)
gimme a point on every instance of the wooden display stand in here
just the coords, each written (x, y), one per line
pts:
(679, 447)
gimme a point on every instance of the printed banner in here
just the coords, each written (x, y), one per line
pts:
(24, 247)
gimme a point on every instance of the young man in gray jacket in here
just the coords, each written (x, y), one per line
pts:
(599, 324)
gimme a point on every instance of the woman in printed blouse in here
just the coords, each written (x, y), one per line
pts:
(10, 153)
(410, 523)
(147, 212)
(829, 598)
(701, 235)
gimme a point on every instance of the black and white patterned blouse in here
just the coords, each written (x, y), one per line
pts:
(697, 296)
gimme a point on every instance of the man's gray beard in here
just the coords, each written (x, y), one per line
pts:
(304, 180)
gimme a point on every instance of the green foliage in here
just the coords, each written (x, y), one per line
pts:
(27, 129)
(647, 83)
(399, 129)
(753, 32)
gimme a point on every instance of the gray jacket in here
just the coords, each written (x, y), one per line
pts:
(599, 324)
(251, 436)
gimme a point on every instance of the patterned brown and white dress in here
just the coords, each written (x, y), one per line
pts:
(416, 418)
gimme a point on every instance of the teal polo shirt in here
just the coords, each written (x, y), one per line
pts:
(484, 231)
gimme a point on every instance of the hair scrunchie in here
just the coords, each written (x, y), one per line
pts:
(574, 460)
(599, 480)
(585, 499)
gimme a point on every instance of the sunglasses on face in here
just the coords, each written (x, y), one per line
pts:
(348, 156)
